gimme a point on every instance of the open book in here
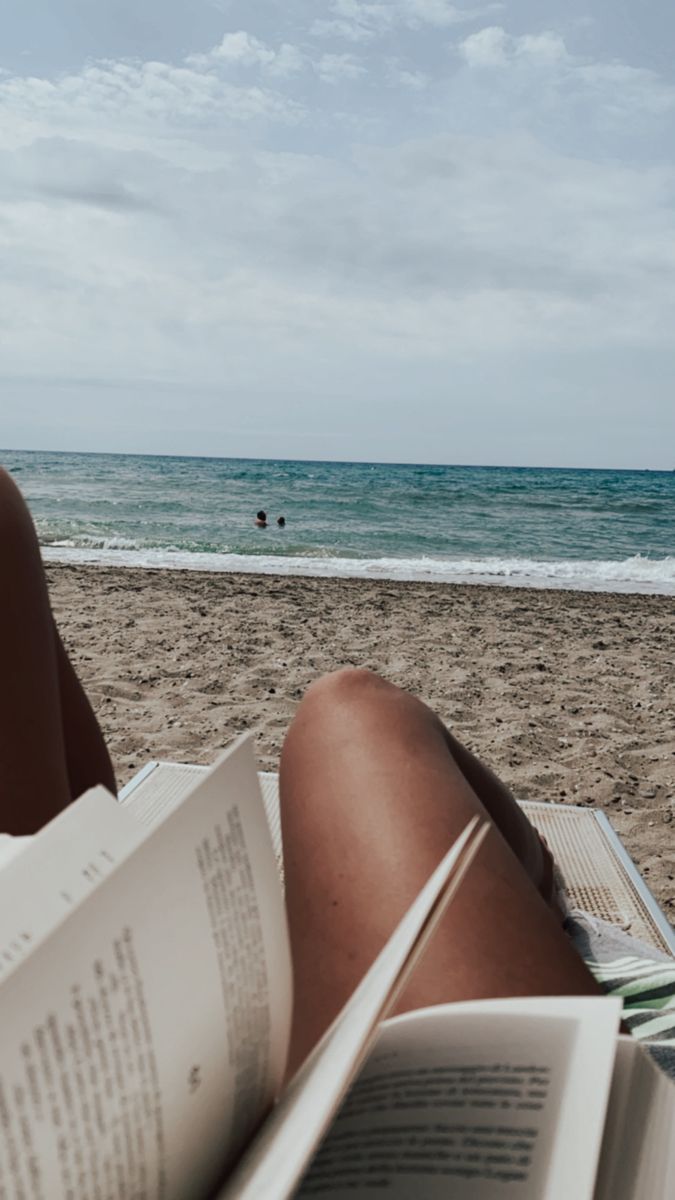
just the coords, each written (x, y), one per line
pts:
(145, 1003)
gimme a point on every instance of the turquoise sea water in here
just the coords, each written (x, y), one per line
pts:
(604, 530)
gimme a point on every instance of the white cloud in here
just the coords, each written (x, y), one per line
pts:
(438, 13)
(400, 76)
(288, 60)
(134, 94)
(623, 89)
(334, 68)
(541, 47)
(494, 47)
(361, 20)
(352, 20)
(612, 89)
(350, 31)
(242, 49)
(487, 48)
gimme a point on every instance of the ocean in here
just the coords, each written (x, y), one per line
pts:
(582, 529)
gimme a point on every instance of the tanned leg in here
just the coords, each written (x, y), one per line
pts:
(373, 792)
(51, 748)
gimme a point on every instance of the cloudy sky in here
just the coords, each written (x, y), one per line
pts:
(399, 230)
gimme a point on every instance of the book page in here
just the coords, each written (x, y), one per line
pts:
(154, 792)
(638, 1157)
(478, 1101)
(58, 868)
(145, 1037)
(273, 1165)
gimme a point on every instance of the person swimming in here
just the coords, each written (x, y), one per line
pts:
(261, 520)
(281, 522)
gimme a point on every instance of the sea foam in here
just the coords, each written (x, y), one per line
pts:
(636, 574)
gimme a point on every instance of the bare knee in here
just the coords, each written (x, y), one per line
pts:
(354, 706)
(330, 704)
(347, 685)
(349, 689)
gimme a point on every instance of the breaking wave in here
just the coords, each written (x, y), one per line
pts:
(635, 574)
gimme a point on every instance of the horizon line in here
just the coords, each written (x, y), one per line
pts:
(365, 462)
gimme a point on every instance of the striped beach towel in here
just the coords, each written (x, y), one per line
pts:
(640, 975)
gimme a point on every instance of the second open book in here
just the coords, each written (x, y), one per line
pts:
(145, 1003)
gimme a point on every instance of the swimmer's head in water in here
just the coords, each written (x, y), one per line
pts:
(281, 521)
(262, 516)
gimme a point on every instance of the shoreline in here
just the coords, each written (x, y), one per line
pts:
(567, 694)
(636, 575)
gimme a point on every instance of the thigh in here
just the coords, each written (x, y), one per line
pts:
(371, 800)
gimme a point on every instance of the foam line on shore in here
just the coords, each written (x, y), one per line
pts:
(637, 574)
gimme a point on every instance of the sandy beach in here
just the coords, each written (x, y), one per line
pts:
(570, 696)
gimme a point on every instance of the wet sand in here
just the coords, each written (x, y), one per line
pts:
(569, 696)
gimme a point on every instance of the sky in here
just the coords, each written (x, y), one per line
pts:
(384, 230)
